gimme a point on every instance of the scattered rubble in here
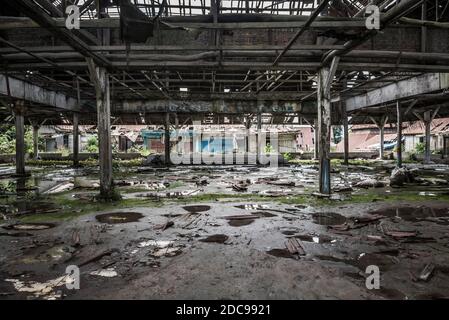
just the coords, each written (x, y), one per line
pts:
(401, 176)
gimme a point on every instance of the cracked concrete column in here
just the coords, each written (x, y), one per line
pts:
(316, 147)
(35, 142)
(345, 135)
(75, 140)
(259, 130)
(381, 142)
(19, 110)
(324, 130)
(427, 123)
(399, 138)
(167, 139)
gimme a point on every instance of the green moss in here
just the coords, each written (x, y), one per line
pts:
(117, 163)
(71, 209)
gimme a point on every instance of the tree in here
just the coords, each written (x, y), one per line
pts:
(8, 139)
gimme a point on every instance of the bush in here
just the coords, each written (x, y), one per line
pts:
(420, 148)
(92, 145)
(269, 148)
(139, 149)
(287, 156)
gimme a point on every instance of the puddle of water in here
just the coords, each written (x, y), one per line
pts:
(15, 234)
(328, 218)
(172, 215)
(314, 239)
(216, 238)
(240, 222)
(383, 261)
(251, 206)
(432, 296)
(264, 214)
(390, 294)
(288, 232)
(281, 253)
(30, 226)
(119, 217)
(196, 209)
(413, 214)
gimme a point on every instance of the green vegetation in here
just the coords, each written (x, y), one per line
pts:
(420, 148)
(335, 162)
(92, 144)
(117, 163)
(140, 149)
(8, 139)
(72, 208)
(268, 148)
(288, 156)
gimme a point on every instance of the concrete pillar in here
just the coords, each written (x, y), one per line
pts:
(75, 140)
(258, 136)
(19, 110)
(427, 123)
(381, 142)
(324, 130)
(399, 130)
(247, 126)
(35, 142)
(444, 153)
(167, 139)
(104, 134)
(316, 146)
(345, 137)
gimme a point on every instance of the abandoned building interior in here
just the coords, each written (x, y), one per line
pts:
(314, 138)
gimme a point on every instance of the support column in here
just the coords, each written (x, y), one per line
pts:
(316, 146)
(345, 135)
(19, 110)
(399, 139)
(75, 140)
(35, 141)
(381, 126)
(259, 130)
(324, 129)
(100, 78)
(247, 126)
(382, 142)
(167, 139)
(427, 123)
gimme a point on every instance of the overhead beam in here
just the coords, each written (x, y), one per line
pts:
(213, 106)
(20, 89)
(426, 83)
(9, 23)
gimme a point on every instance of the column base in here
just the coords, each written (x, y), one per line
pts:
(21, 175)
(109, 196)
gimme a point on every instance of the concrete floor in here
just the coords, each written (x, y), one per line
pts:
(233, 244)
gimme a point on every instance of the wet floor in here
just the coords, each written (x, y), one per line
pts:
(223, 246)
